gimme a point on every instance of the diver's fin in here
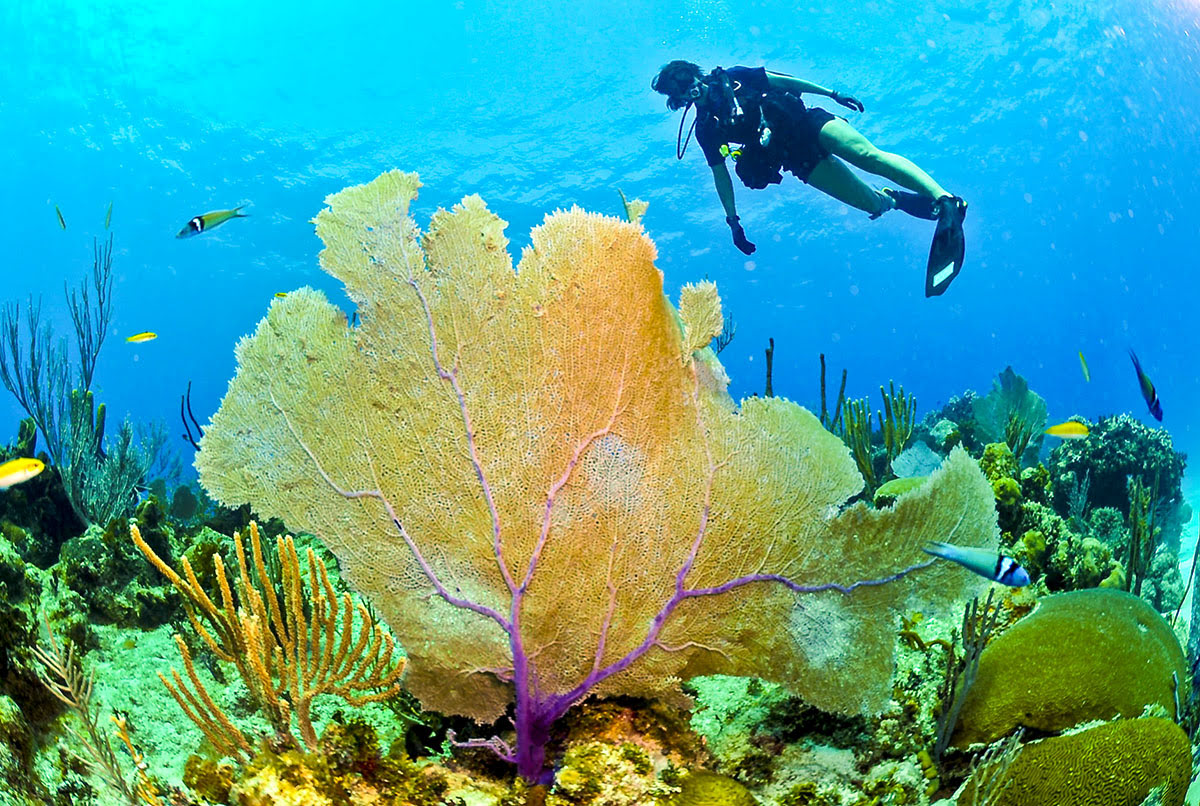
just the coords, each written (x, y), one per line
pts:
(914, 204)
(948, 247)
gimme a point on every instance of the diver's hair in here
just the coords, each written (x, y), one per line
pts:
(674, 79)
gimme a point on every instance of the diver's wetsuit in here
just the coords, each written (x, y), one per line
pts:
(794, 132)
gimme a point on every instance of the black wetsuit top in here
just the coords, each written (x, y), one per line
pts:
(749, 85)
(795, 142)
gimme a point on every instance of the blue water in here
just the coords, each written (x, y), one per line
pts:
(1070, 128)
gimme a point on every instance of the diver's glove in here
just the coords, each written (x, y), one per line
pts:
(739, 235)
(847, 101)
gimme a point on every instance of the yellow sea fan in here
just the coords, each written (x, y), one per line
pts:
(541, 499)
(700, 310)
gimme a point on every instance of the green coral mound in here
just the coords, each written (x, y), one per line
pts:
(887, 494)
(1080, 656)
(1115, 764)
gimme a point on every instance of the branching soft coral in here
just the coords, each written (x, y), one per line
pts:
(539, 480)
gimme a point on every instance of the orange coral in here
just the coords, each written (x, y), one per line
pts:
(543, 490)
(288, 649)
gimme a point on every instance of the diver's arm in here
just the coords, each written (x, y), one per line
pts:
(724, 185)
(778, 81)
(725, 193)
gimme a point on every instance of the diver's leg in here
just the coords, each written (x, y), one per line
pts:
(832, 177)
(842, 139)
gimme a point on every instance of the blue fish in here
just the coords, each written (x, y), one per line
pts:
(1148, 393)
(988, 564)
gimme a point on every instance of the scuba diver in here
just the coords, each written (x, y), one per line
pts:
(757, 117)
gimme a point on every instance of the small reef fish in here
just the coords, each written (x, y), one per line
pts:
(62, 222)
(988, 564)
(108, 216)
(1087, 374)
(16, 471)
(203, 223)
(1068, 430)
(1148, 393)
(280, 294)
(138, 338)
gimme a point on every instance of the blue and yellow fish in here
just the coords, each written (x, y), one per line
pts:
(1148, 393)
(203, 223)
(988, 564)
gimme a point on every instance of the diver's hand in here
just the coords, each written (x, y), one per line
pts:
(847, 101)
(739, 235)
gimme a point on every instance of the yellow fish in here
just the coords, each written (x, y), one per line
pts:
(138, 338)
(1087, 375)
(16, 471)
(280, 294)
(1068, 430)
(62, 222)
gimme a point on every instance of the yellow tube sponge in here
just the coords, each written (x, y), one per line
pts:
(541, 499)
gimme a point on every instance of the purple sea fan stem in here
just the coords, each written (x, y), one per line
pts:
(798, 588)
(452, 378)
(378, 495)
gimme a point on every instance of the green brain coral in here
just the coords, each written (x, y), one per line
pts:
(1114, 764)
(1080, 656)
(703, 788)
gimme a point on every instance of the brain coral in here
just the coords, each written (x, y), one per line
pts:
(1081, 655)
(1114, 764)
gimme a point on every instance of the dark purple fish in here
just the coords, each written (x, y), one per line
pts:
(1148, 392)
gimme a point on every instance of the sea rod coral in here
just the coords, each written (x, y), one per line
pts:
(540, 482)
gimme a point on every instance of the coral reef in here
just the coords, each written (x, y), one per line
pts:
(348, 769)
(1119, 447)
(611, 774)
(111, 578)
(1079, 656)
(1113, 764)
(488, 438)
